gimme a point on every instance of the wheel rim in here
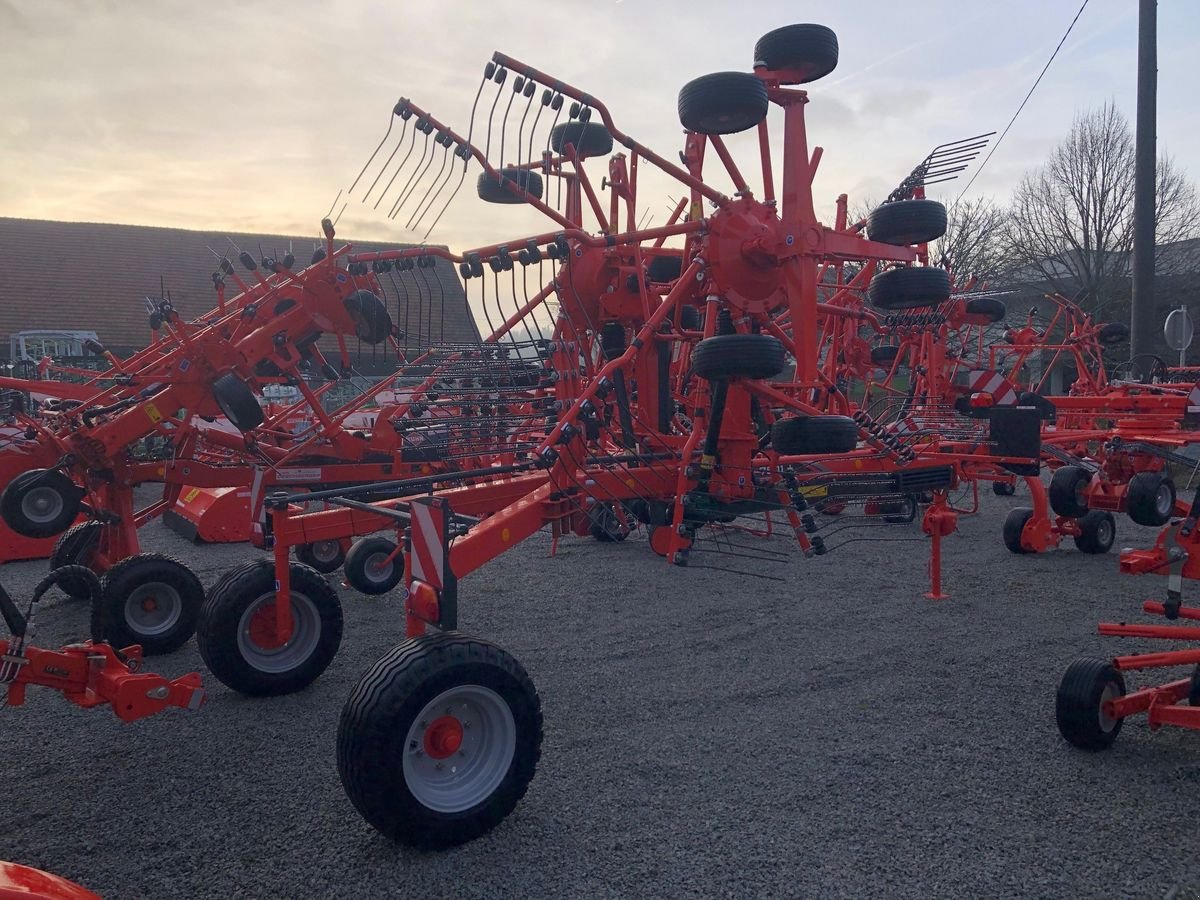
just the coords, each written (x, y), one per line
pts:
(378, 567)
(326, 551)
(459, 748)
(153, 608)
(42, 504)
(1164, 503)
(1111, 692)
(257, 640)
(1104, 533)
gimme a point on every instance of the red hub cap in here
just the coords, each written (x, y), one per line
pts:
(149, 604)
(443, 737)
(262, 628)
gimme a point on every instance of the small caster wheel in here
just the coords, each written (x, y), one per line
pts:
(1087, 685)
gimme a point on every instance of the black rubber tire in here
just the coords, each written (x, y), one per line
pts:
(909, 288)
(237, 402)
(111, 617)
(50, 484)
(738, 356)
(324, 556)
(1099, 532)
(884, 356)
(662, 269)
(75, 547)
(220, 623)
(988, 308)
(372, 322)
(1142, 498)
(907, 222)
(360, 567)
(384, 706)
(1014, 524)
(899, 512)
(1003, 489)
(803, 435)
(1112, 333)
(1077, 708)
(491, 189)
(723, 103)
(807, 52)
(1066, 491)
(588, 138)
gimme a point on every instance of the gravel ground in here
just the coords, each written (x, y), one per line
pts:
(707, 734)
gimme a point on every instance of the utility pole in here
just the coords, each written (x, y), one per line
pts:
(1143, 325)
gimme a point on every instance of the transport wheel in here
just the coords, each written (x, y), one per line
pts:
(1068, 491)
(738, 356)
(1150, 498)
(237, 402)
(606, 524)
(1086, 686)
(1099, 531)
(723, 103)
(588, 138)
(148, 599)
(906, 222)
(808, 52)
(368, 569)
(491, 189)
(40, 503)
(814, 434)
(76, 547)
(237, 637)
(439, 740)
(884, 356)
(988, 309)
(1014, 524)
(1003, 489)
(324, 556)
(1113, 333)
(899, 512)
(372, 323)
(909, 288)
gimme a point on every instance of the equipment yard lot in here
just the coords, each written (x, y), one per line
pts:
(706, 734)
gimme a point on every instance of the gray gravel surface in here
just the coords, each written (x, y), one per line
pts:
(707, 734)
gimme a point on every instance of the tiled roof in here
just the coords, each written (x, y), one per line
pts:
(87, 276)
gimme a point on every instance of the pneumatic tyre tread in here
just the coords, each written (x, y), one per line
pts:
(74, 547)
(588, 139)
(1098, 532)
(23, 517)
(1067, 491)
(1014, 525)
(1142, 498)
(496, 188)
(237, 402)
(220, 623)
(907, 222)
(803, 435)
(134, 574)
(384, 704)
(1077, 707)
(805, 52)
(723, 103)
(361, 566)
(738, 356)
(909, 288)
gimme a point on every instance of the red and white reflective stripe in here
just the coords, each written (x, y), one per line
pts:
(257, 510)
(989, 381)
(1193, 400)
(428, 552)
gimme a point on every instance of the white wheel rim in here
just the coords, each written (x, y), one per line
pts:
(1104, 532)
(459, 776)
(42, 505)
(1111, 692)
(325, 551)
(377, 567)
(1163, 501)
(153, 608)
(306, 635)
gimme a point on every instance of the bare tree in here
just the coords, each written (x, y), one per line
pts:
(974, 241)
(1071, 220)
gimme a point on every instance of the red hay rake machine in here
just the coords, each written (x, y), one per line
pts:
(1092, 702)
(656, 358)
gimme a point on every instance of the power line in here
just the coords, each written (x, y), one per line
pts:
(996, 145)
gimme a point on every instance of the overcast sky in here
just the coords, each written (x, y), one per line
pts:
(251, 116)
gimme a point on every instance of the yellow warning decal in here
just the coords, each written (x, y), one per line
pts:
(697, 212)
(191, 495)
(814, 490)
(153, 413)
